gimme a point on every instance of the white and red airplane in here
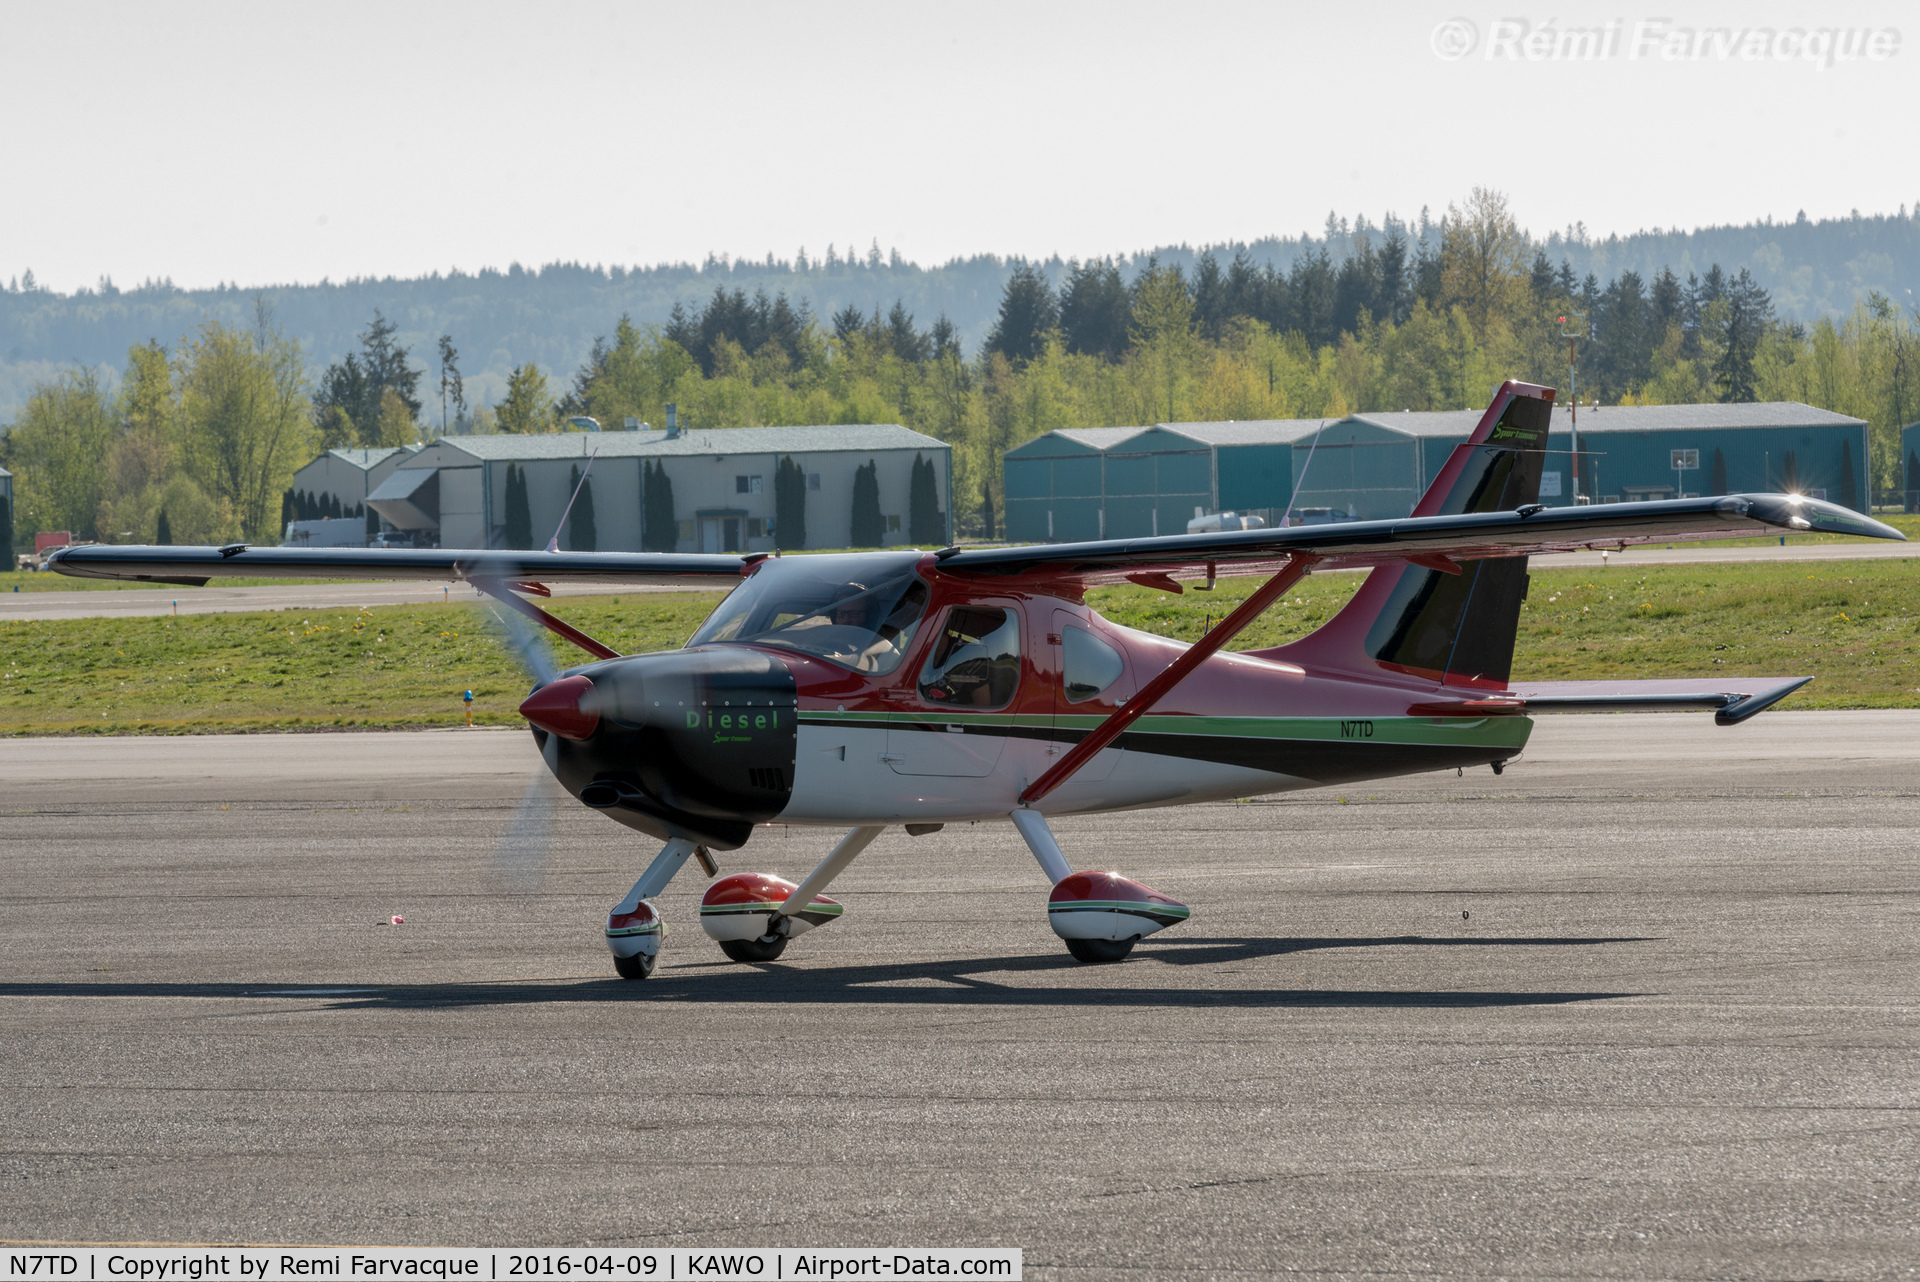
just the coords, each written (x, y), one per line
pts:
(926, 688)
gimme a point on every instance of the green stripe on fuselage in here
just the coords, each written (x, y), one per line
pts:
(1448, 732)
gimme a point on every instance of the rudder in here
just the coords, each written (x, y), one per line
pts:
(1455, 629)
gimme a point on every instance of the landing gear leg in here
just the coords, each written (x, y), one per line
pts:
(634, 928)
(1100, 915)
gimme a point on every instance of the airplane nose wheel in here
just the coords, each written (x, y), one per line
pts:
(1096, 951)
(764, 949)
(638, 966)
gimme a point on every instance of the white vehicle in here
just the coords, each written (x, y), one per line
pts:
(330, 532)
(1218, 521)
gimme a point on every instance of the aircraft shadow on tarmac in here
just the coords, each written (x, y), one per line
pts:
(968, 981)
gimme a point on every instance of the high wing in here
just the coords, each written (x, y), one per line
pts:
(1439, 541)
(195, 565)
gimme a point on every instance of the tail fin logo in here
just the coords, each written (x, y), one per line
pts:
(1526, 434)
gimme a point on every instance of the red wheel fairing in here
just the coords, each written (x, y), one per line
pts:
(1105, 905)
(741, 906)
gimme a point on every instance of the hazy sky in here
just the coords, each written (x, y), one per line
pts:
(263, 143)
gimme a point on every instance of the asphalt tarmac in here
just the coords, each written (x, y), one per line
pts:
(1644, 1006)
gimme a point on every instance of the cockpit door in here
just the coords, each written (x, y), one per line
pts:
(1091, 681)
(957, 706)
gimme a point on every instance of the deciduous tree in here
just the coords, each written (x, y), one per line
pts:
(526, 407)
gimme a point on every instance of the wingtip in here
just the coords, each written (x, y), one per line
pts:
(1804, 515)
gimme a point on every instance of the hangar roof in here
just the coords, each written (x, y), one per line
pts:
(1264, 431)
(717, 440)
(1097, 439)
(1693, 418)
(1625, 418)
(368, 459)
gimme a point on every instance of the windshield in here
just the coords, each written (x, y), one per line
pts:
(857, 611)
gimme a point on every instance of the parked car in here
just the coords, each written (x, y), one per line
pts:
(1320, 516)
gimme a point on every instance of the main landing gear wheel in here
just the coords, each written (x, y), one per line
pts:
(1096, 951)
(638, 966)
(764, 949)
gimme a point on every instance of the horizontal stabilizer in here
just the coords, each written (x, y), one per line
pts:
(1731, 700)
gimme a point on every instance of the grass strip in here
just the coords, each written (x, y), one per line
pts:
(1853, 625)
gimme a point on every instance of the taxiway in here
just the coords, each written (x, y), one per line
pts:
(1646, 1005)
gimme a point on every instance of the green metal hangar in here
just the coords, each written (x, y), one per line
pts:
(453, 492)
(1628, 453)
(1134, 482)
(1126, 482)
(1634, 452)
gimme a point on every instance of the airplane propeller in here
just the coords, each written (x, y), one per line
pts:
(523, 853)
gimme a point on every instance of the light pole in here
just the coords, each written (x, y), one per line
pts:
(1573, 326)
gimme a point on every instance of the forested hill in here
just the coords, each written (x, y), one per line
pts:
(551, 315)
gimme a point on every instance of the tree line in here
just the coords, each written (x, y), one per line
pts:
(1421, 323)
(1431, 317)
(196, 445)
(549, 314)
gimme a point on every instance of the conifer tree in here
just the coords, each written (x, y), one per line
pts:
(581, 534)
(659, 531)
(986, 508)
(1027, 311)
(519, 522)
(789, 506)
(924, 523)
(162, 529)
(869, 526)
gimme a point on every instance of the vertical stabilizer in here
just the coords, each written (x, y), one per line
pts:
(1451, 628)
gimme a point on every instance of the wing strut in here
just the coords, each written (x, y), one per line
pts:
(1202, 650)
(498, 591)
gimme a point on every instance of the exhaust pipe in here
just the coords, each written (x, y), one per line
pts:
(608, 794)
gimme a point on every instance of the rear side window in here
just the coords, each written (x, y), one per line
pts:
(1091, 664)
(975, 661)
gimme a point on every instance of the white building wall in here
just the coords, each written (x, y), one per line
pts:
(330, 474)
(701, 482)
(461, 517)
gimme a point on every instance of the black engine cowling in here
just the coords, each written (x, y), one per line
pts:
(690, 743)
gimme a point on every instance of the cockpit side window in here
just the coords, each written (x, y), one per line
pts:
(1091, 664)
(975, 661)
